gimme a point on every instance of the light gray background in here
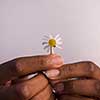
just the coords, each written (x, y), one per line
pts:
(24, 22)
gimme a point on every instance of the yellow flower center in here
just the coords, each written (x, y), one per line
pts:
(52, 42)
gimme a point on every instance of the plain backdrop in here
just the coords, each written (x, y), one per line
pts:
(23, 23)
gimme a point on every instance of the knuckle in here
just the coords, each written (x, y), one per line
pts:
(90, 67)
(40, 61)
(19, 66)
(22, 91)
(72, 87)
(69, 86)
(68, 68)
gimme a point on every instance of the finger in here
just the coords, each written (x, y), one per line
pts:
(24, 78)
(46, 94)
(25, 65)
(80, 69)
(71, 97)
(25, 90)
(89, 88)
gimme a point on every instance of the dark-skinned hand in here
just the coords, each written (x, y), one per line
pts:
(15, 83)
(77, 81)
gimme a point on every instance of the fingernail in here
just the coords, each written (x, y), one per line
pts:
(57, 60)
(52, 73)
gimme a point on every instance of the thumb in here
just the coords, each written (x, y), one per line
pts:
(26, 65)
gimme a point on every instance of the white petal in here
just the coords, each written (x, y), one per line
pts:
(45, 39)
(57, 36)
(43, 43)
(45, 36)
(50, 36)
(60, 42)
(58, 46)
(45, 47)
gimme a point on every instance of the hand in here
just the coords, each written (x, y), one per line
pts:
(19, 86)
(78, 81)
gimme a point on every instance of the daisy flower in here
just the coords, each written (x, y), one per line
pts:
(51, 42)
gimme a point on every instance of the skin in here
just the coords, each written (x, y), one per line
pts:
(84, 86)
(14, 84)
(72, 97)
(79, 69)
(46, 94)
(14, 81)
